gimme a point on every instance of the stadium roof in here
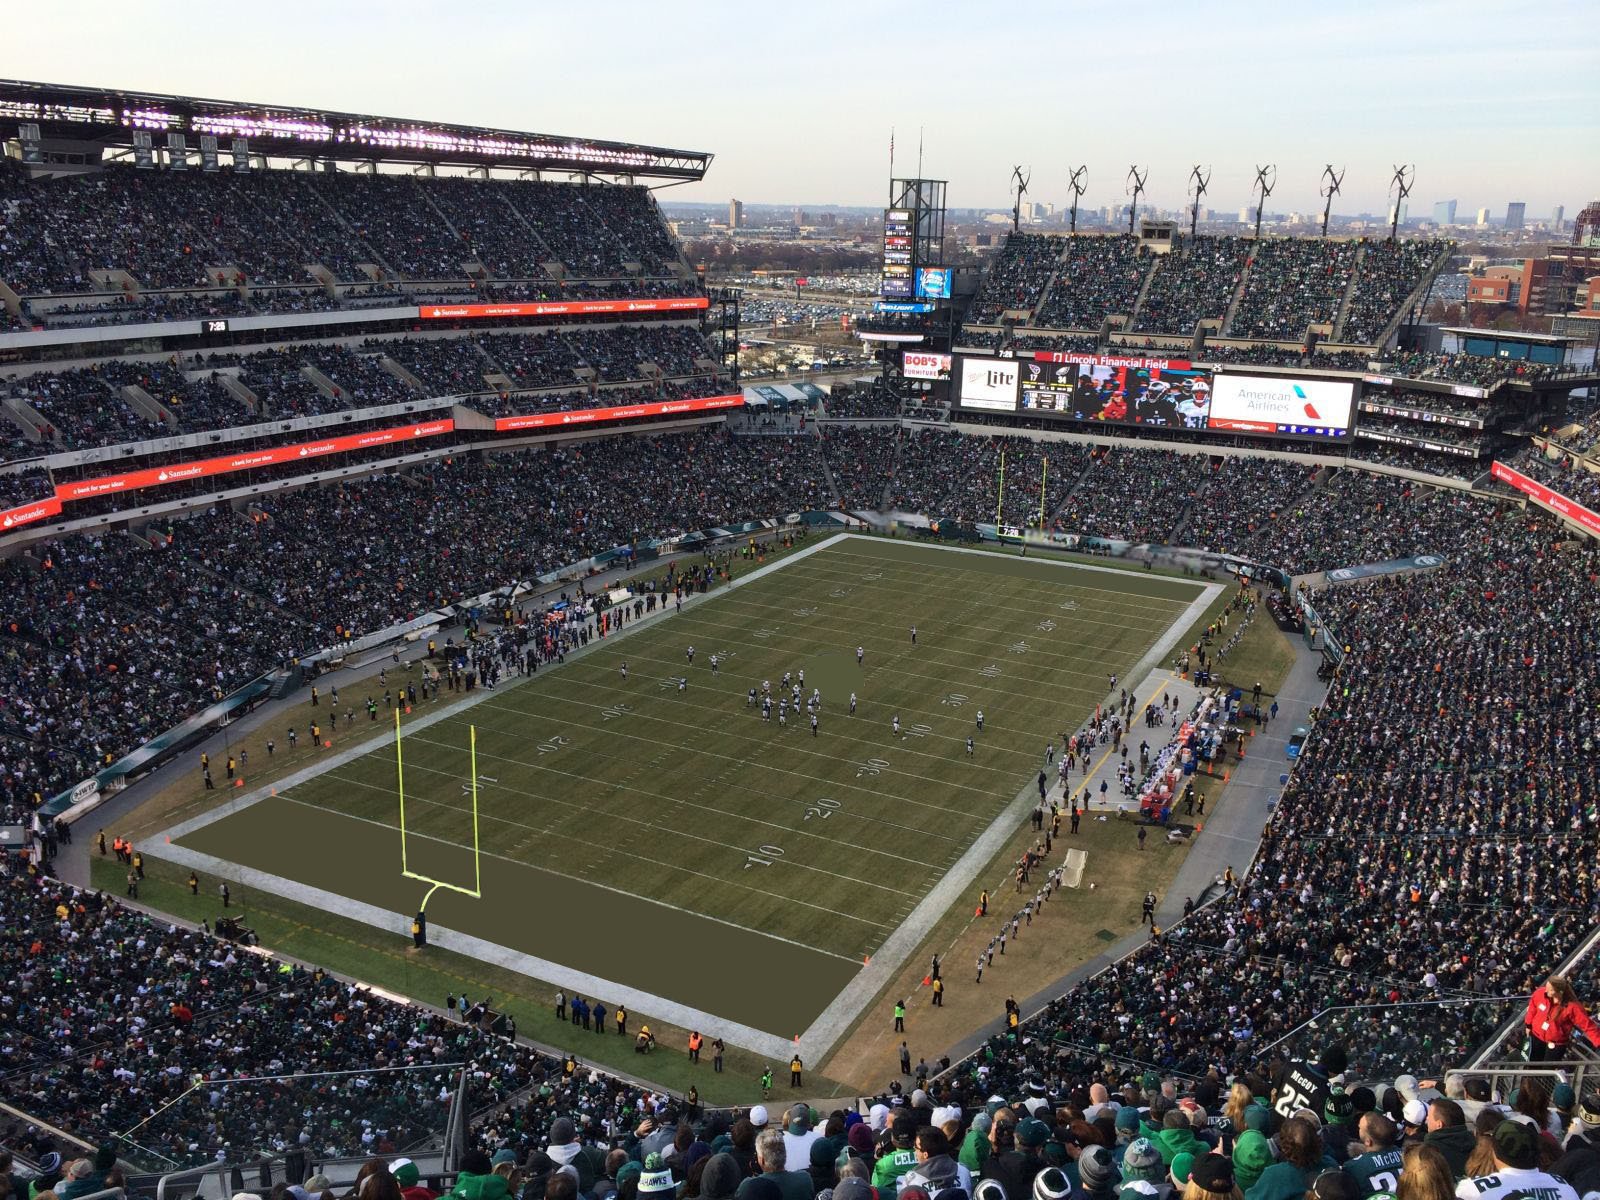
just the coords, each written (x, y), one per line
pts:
(112, 116)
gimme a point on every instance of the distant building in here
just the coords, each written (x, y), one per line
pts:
(1515, 213)
(1557, 282)
(1558, 218)
(1483, 218)
(735, 214)
(1444, 212)
(1246, 215)
(1398, 210)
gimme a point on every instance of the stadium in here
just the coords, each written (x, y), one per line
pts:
(465, 733)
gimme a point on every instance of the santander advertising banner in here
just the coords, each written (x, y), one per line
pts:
(83, 489)
(561, 308)
(1551, 499)
(586, 416)
(27, 514)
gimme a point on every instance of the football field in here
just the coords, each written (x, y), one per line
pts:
(663, 843)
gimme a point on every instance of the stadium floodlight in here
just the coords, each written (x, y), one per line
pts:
(476, 890)
(1266, 180)
(1332, 181)
(1019, 183)
(1401, 184)
(1077, 186)
(1200, 182)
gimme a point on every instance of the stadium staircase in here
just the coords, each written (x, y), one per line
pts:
(1055, 513)
(827, 475)
(1342, 313)
(1238, 295)
(467, 264)
(1050, 285)
(1138, 301)
(287, 233)
(381, 268)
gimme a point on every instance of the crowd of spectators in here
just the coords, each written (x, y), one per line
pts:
(1292, 283)
(1355, 516)
(863, 401)
(1480, 370)
(1098, 276)
(1017, 277)
(1440, 463)
(25, 485)
(1133, 494)
(1564, 475)
(195, 229)
(1197, 279)
(148, 1025)
(946, 473)
(1389, 271)
(861, 460)
(86, 406)
(1242, 496)
(1436, 842)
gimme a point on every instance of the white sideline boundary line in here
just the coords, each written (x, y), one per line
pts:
(835, 1020)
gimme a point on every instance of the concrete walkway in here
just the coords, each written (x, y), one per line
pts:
(1230, 837)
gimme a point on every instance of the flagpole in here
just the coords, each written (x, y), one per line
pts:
(891, 161)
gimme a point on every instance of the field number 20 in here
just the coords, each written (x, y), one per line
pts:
(822, 808)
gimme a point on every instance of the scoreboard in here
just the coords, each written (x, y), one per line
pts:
(899, 244)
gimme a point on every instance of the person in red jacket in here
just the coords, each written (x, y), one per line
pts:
(1553, 1013)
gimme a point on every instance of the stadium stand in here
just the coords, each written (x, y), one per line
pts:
(1291, 283)
(125, 245)
(1389, 271)
(1196, 280)
(1098, 276)
(1018, 276)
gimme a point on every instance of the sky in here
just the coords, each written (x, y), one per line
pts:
(1492, 101)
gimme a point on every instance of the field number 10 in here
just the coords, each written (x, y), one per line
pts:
(757, 859)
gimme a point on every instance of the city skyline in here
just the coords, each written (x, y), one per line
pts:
(807, 120)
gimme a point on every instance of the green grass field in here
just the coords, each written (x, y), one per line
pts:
(685, 828)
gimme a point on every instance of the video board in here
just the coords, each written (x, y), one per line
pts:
(1167, 393)
(1104, 389)
(989, 384)
(1282, 406)
(933, 283)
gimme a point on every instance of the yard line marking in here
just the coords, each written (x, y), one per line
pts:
(631, 895)
(657, 795)
(841, 717)
(1078, 631)
(938, 662)
(551, 831)
(888, 562)
(833, 784)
